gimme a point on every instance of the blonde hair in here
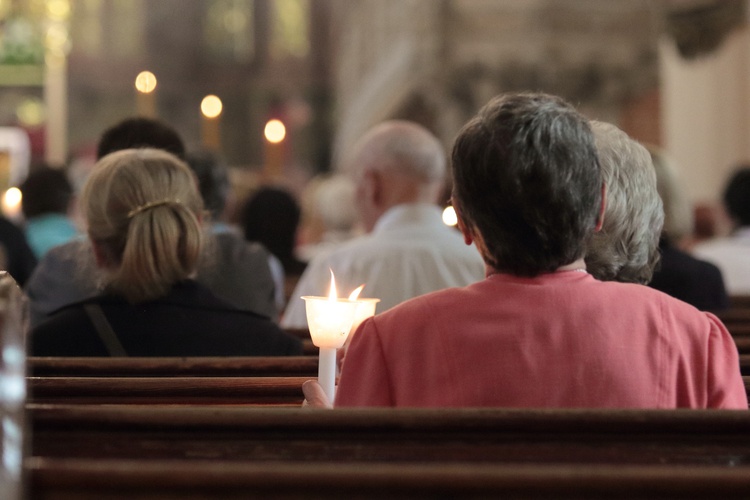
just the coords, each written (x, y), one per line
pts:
(142, 207)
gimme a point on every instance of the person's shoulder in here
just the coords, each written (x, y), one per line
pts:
(234, 244)
(642, 299)
(441, 301)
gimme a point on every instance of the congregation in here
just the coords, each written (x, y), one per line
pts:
(562, 222)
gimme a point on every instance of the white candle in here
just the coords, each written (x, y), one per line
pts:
(330, 321)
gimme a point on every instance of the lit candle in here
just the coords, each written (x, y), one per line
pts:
(145, 85)
(329, 319)
(274, 133)
(211, 107)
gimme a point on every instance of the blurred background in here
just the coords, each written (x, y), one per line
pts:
(673, 73)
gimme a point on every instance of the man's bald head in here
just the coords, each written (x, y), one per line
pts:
(396, 162)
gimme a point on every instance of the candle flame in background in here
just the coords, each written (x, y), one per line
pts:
(332, 296)
(11, 203)
(145, 82)
(211, 106)
(275, 131)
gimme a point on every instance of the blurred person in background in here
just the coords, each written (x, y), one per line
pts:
(46, 205)
(731, 254)
(400, 170)
(143, 215)
(679, 274)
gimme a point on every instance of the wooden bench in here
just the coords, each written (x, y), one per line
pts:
(192, 480)
(500, 436)
(175, 390)
(167, 390)
(271, 366)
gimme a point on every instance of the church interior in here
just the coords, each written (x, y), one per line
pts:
(279, 111)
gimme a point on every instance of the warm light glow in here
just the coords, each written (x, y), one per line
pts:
(145, 82)
(275, 131)
(30, 112)
(59, 10)
(211, 106)
(12, 202)
(355, 294)
(449, 216)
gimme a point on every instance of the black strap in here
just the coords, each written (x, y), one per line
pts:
(104, 329)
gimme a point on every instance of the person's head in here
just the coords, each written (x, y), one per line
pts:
(737, 196)
(45, 191)
(143, 210)
(526, 183)
(213, 180)
(627, 247)
(396, 162)
(678, 217)
(271, 216)
(140, 132)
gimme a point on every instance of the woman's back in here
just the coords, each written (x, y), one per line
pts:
(189, 321)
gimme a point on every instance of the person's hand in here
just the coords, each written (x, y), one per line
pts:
(315, 397)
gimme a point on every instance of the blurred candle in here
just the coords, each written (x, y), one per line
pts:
(211, 108)
(274, 134)
(145, 86)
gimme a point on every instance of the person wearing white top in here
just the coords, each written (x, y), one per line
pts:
(400, 170)
(731, 254)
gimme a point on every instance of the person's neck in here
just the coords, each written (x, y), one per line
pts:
(577, 265)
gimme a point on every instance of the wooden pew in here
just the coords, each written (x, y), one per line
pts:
(271, 366)
(119, 479)
(499, 436)
(167, 390)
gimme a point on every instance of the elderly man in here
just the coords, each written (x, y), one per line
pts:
(539, 331)
(401, 170)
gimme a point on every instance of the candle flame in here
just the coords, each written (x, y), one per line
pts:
(332, 293)
(355, 294)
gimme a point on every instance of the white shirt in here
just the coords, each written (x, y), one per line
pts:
(732, 256)
(409, 252)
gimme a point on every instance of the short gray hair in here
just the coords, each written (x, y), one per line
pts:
(627, 247)
(405, 147)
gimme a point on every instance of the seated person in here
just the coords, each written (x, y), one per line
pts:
(235, 272)
(626, 248)
(47, 197)
(539, 330)
(730, 253)
(679, 274)
(400, 171)
(143, 212)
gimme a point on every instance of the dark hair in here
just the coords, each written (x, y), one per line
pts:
(213, 179)
(271, 217)
(737, 196)
(45, 190)
(526, 176)
(140, 133)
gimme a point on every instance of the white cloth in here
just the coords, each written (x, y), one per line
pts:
(409, 252)
(732, 256)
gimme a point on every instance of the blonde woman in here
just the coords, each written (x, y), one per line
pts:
(143, 212)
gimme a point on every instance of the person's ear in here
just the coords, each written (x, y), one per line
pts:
(602, 207)
(101, 256)
(463, 227)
